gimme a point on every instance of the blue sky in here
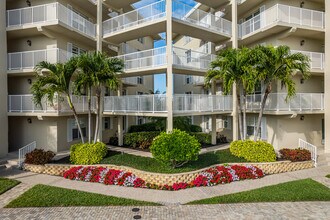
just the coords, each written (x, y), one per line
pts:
(160, 79)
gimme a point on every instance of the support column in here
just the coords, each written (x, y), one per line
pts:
(234, 40)
(214, 118)
(169, 71)
(99, 39)
(327, 79)
(3, 82)
(120, 122)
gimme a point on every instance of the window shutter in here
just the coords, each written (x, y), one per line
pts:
(263, 129)
(69, 49)
(69, 130)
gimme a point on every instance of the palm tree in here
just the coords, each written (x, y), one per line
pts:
(97, 70)
(235, 66)
(278, 63)
(55, 81)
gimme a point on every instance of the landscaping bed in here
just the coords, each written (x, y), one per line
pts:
(7, 184)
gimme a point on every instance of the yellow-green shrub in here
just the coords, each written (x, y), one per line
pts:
(252, 151)
(88, 154)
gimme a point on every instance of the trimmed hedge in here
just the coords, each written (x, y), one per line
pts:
(176, 148)
(202, 138)
(295, 155)
(141, 140)
(39, 157)
(88, 153)
(144, 128)
(252, 151)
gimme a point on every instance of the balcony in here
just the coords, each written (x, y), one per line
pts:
(24, 105)
(317, 60)
(154, 61)
(48, 15)
(151, 19)
(19, 62)
(302, 102)
(280, 18)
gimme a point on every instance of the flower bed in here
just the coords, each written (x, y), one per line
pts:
(210, 177)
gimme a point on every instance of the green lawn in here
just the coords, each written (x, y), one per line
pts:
(300, 190)
(50, 196)
(7, 184)
(328, 176)
(152, 165)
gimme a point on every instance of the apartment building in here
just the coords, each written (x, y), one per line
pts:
(54, 30)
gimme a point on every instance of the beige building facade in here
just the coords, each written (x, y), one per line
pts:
(55, 30)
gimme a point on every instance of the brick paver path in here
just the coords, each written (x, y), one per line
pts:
(13, 193)
(296, 210)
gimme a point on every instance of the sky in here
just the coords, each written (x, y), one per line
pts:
(160, 79)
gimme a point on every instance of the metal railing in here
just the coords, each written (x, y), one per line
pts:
(277, 102)
(157, 10)
(25, 150)
(29, 59)
(50, 12)
(25, 104)
(135, 104)
(310, 147)
(317, 60)
(202, 103)
(192, 59)
(285, 14)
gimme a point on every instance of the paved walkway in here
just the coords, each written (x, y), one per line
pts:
(148, 154)
(169, 197)
(296, 210)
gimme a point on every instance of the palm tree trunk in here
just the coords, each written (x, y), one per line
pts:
(244, 116)
(89, 115)
(239, 115)
(73, 109)
(98, 104)
(261, 112)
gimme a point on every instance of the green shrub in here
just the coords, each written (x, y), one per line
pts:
(39, 157)
(195, 128)
(181, 123)
(295, 155)
(88, 153)
(176, 148)
(202, 138)
(141, 140)
(144, 127)
(113, 141)
(252, 151)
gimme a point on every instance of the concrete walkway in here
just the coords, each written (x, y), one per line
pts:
(148, 154)
(296, 210)
(169, 197)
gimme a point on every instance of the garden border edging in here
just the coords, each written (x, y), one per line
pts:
(162, 178)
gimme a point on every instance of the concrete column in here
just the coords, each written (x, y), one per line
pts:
(3, 81)
(234, 40)
(120, 122)
(99, 27)
(327, 78)
(169, 72)
(214, 117)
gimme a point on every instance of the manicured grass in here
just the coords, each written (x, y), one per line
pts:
(328, 176)
(50, 196)
(300, 190)
(7, 184)
(152, 165)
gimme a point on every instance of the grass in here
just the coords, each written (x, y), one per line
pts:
(300, 190)
(7, 184)
(327, 176)
(50, 196)
(152, 165)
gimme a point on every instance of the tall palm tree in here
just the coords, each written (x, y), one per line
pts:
(55, 81)
(96, 71)
(278, 64)
(235, 66)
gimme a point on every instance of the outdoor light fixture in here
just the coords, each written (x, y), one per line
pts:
(28, 3)
(302, 81)
(302, 118)
(302, 43)
(29, 120)
(302, 4)
(29, 81)
(29, 42)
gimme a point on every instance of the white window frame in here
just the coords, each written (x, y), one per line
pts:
(140, 80)
(71, 124)
(109, 121)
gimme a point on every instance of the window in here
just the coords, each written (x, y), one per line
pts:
(187, 39)
(140, 80)
(226, 122)
(72, 129)
(140, 93)
(188, 79)
(141, 40)
(140, 120)
(251, 123)
(74, 50)
(107, 123)
(188, 55)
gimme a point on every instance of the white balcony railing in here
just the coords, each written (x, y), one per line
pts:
(157, 10)
(37, 15)
(192, 59)
(25, 104)
(29, 59)
(317, 60)
(283, 13)
(135, 104)
(202, 103)
(277, 102)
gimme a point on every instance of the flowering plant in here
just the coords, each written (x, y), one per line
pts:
(210, 177)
